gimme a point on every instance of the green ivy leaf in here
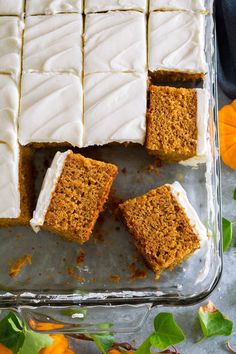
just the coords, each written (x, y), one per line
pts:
(234, 194)
(11, 332)
(227, 228)
(34, 342)
(144, 347)
(104, 342)
(212, 322)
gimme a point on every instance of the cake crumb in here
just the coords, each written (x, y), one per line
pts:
(124, 171)
(115, 278)
(80, 258)
(136, 273)
(17, 266)
(75, 275)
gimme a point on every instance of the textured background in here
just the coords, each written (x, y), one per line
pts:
(224, 296)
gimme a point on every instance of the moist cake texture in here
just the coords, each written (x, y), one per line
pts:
(115, 42)
(177, 123)
(194, 5)
(53, 43)
(41, 7)
(165, 227)
(80, 188)
(115, 108)
(104, 5)
(51, 109)
(176, 45)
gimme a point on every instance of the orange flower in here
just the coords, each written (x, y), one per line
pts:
(60, 345)
(44, 326)
(227, 126)
(4, 350)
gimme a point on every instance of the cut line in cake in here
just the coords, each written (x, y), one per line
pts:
(176, 42)
(104, 5)
(177, 124)
(165, 226)
(184, 5)
(73, 194)
(53, 44)
(51, 7)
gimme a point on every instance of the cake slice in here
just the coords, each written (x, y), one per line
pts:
(104, 5)
(176, 46)
(50, 7)
(165, 227)
(73, 194)
(11, 7)
(15, 161)
(177, 124)
(190, 5)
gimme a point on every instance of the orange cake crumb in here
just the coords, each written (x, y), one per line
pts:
(18, 265)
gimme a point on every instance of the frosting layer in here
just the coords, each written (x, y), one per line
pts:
(11, 7)
(181, 196)
(10, 44)
(9, 149)
(194, 5)
(115, 108)
(115, 41)
(53, 43)
(104, 5)
(48, 187)
(51, 109)
(40, 7)
(176, 41)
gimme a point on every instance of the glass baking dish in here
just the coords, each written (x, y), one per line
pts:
(112, 278)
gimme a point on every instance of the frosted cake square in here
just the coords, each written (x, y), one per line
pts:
(115, 42)
(11, 7)
(115, 108)
(53, 43)
(176, 45)
(41, 7)
(192, 5)
(165, 226)
(51, 109)
(73, 194)
(177, 124)
(104, 5)
(11, 42)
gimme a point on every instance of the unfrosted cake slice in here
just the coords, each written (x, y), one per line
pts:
(73, 194)
(15, 162)
(11, 7)
(104, 5)
(165, 227)
(53, 43)
(115, 108)
(51, 109)
(177, 124)
(41, 7)
(115, 42)
(11, 42)
(176, 45)
(192, 5)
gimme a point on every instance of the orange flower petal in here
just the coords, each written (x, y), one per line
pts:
(4, 350)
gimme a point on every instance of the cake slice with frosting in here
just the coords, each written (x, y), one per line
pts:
(165, 226)
(177, 124)
(189, 5)
(73, 194)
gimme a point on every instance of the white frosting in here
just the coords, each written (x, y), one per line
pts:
(104, 5)
(115, 108)
(115, 41)
(51, 109)
(53, 43)
(9, 149)
(194, 5)
(11, 7)
(179, 193)
(202, 127)
(10, 44)
(40, 7)
(176, 41)
(48, 187)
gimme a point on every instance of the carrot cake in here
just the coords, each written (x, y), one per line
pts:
(53, 43)
(176, 45)
(11, 7)
(177, 124)
(115, 108)
(11, 42)
(104, 5)
(165, 227)
(15, 193)
(51, 109)
(42, 7)
(192, 5)
(73, 194)
(115, 42)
